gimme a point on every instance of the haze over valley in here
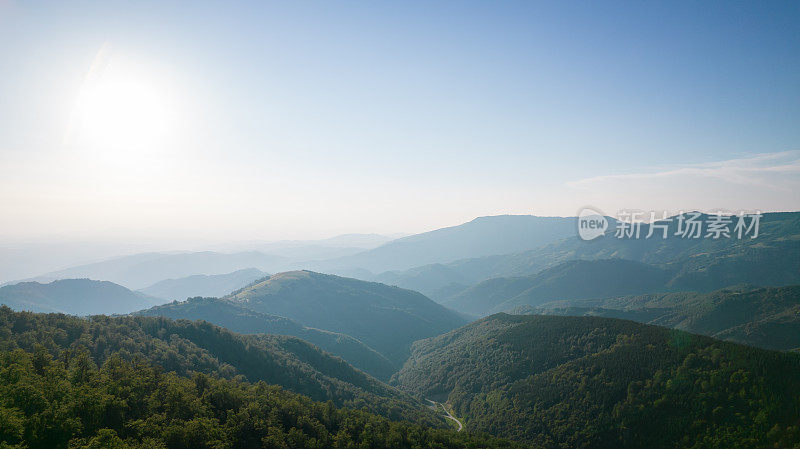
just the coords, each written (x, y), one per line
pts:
(399, 225)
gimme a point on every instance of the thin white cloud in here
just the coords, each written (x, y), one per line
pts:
(760, 170)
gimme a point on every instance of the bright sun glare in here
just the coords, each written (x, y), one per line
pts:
(119, 106)
(123, 112)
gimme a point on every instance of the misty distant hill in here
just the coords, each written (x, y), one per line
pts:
(764, 317)
(387, 319)
(203, 284)
(143, 270)
(771, 259)
(482, 236)
(577, 279)
(75, 297)
(305, 250)
(30, 260)
(356, 255)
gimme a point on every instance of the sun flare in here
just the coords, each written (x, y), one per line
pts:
(120, 105)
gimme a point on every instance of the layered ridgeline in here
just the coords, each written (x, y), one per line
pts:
(771, 259)
(576, 279)
(483, 236)
(387, 319)
(124, 383)
(604, 383)
(143, 270)
(351, 255)
(705, 264)
(204, 285)
(237, 318)
(764, 317)
(75, 297)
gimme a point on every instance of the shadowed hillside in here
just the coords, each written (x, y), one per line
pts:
(239, 319)
(387, 319)
(764, 317)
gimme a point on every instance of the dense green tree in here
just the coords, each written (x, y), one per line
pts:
(75, 395)
(589, 382)
(185, 347)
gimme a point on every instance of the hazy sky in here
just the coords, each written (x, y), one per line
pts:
(233, 121)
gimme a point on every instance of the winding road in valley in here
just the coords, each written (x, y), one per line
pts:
(447, 414)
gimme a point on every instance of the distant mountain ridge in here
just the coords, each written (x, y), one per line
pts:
(764, 317)
(771, 259)
(576, 279)
(143, 270)
(203, 285)
(75, 297)
(356, 255)
(482, 236)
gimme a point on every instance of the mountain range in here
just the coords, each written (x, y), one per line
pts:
(576, 279)
(356, 255)
(483, 236)
(370, 325)
(771, 259)
(143, 270)
(604, 351)
(444, 262)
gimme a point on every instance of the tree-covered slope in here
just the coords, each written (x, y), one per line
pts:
(75, 297)
(589, 382)
(185, 347)
(239, 319)
(78, 400)
(387, 319)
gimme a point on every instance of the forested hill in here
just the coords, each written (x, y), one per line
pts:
(565, 382)
(68, 383)
(239, 319)
(185, 347)
(387, 319)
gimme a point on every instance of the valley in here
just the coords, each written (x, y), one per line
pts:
(575, 354)
(399, 225)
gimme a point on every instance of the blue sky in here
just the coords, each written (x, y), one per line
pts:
(307, 119)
